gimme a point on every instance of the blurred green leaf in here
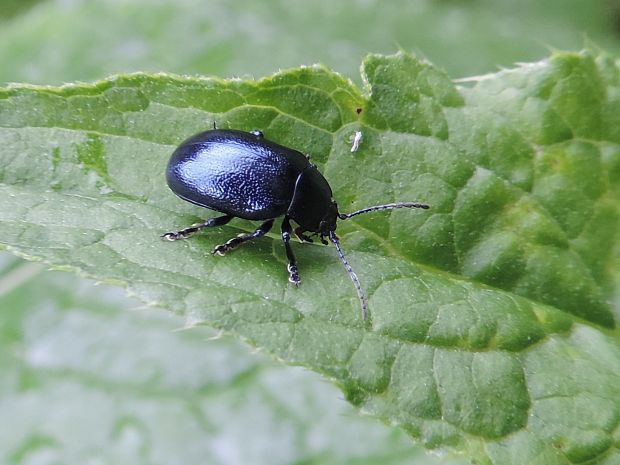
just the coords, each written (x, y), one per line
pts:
(61, 41)
(84, 380)
(481, 307)
(12, 8)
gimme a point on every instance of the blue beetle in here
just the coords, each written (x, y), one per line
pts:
(243, 175)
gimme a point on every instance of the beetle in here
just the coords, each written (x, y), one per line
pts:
(243, 175)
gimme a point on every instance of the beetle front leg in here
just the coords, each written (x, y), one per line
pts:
(244, 237)
(301, 236)
(293, 274)
(187, 232)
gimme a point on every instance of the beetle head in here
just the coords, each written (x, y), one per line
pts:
(328, 223)
(312, 206)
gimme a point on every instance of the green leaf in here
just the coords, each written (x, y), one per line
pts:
(60, 42)
(491, 312)
(88, 377)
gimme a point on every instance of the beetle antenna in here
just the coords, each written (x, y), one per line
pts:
(387, 206)
(354, 278)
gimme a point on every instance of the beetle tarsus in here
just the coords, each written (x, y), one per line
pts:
(293, 273)
(220, 250)
(241, 238)
(172, 236)
(229, 245)
(183, 233)
(194, 228)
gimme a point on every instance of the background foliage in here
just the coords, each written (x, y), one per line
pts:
(51, 42)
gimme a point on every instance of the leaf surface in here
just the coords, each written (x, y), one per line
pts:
(88, 377)
(492, 313)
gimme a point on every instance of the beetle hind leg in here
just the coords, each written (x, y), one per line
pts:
(244, 237)
(193, 229)
(291, 267)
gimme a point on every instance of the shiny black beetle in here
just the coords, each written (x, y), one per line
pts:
(243, 175)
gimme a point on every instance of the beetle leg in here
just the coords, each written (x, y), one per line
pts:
(244, 237)
(301, 236)
(185, 233)
(293, 274)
